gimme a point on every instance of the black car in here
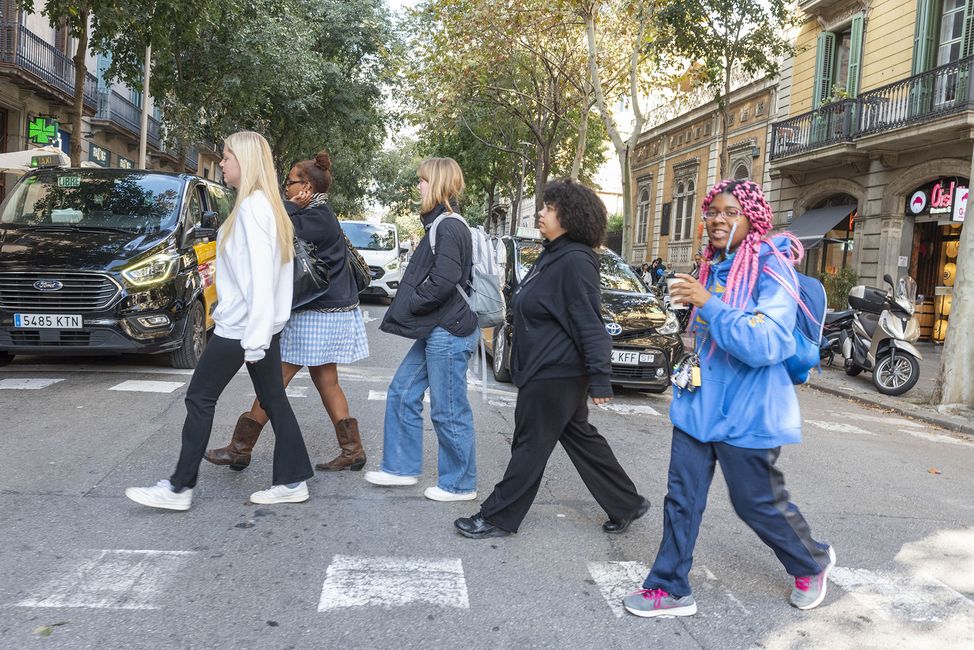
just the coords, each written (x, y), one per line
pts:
(645, 338)
(108, 261)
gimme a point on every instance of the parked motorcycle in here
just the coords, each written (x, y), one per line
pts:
(835, 323)
(882, 335)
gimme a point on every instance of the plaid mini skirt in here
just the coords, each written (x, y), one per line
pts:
(316, 338)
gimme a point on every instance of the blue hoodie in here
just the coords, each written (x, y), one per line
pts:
(746, 398)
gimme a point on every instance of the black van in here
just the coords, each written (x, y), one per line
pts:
(108, 261)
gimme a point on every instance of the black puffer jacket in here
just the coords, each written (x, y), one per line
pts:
(558, 328)
(319, 225)
(427, 296)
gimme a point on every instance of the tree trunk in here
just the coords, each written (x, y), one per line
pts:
(582, 137)
(540, 178)
(725, 113)
(957, 361)
(628, 223)
(80, 71)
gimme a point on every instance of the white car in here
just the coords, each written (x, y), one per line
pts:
(379, 245)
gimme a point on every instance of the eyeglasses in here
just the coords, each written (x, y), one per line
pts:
(730, 213)
(288, 183)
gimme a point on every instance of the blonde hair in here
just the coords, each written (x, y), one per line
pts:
(445, 180)
(257, 173)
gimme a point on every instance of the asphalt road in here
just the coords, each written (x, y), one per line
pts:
(365, 567)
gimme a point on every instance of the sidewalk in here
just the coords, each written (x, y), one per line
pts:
(915, 403)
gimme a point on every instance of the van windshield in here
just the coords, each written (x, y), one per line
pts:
(371, 236)
(82, 199)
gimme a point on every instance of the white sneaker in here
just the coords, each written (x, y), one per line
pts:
(436, 494)
(282, 494)
(161, 495)
(384, 478)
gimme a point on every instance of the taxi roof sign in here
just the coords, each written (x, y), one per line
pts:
(50, 160)
(528, 233)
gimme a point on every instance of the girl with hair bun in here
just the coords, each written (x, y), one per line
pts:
(321, 334)
(254, 280)
(739, 406)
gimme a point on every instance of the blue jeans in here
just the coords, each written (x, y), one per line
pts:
(438, 362)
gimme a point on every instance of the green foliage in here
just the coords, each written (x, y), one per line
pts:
(837, 286)
(615, 223)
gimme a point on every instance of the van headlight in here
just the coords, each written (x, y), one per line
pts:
(671, 326)
(158, 268)
(393, 265)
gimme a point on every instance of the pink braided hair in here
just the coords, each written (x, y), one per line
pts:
(746, 266)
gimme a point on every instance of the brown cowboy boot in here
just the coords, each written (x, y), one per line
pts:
(352, 456)
(237, 453)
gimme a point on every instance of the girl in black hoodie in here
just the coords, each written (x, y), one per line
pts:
(560, 356)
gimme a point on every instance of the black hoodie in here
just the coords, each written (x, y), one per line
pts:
(319, 225)
(558, 329)
(427, 296)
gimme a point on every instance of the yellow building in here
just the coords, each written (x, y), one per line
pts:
(870, 167)
(675, 163)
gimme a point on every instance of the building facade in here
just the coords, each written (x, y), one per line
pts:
(872, 164)
(36, 93)
(675, 163)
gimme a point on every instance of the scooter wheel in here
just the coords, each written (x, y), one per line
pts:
(895, 376)
(852, 369)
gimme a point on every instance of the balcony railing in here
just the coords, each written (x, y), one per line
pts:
(919, 98)
(113, 107)
(29, 52)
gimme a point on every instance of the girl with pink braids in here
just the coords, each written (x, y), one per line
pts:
(741, 405)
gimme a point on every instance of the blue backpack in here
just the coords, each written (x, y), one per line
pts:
(808, 329)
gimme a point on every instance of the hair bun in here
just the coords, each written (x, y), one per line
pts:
(323, 161)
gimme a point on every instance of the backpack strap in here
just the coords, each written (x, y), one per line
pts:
(432, 236)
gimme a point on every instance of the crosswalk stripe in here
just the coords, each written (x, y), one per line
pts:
(616, 580)
(27, 383)
(839, 427)
(936, 437)
(381, 396)
(393, 581)
(145, 386)
(920, 599)
(113, 579)
(629, 409)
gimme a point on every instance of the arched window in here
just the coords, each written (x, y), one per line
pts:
(642, 218)
(741, 172)
(683, 219)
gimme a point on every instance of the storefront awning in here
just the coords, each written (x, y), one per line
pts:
(812, 226)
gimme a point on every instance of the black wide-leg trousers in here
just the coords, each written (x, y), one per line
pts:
(221, 360)
(550, 411)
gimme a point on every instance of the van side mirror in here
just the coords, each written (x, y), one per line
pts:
(889, 280)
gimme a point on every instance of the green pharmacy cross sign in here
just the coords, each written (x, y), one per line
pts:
(42, 130)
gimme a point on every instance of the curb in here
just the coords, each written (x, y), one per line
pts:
(937, 420)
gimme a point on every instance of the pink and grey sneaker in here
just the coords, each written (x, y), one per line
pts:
(656, 602)
(809, 591)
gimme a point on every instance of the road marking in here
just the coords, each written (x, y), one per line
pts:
(616, 580)
(113, 579)
(935, 437)
(839, 427)
(291, 391)
(367, 317)
(145, 386)
(393, 581)
(26, 384)
(381, 396)
(891, 421)
(918, 598)
(629, 409)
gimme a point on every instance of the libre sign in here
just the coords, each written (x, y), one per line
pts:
(42, 130)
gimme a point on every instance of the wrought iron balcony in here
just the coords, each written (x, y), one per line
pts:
(114, 109)
(41, 61)
(918, 99)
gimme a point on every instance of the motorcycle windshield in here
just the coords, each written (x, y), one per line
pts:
(907, 289)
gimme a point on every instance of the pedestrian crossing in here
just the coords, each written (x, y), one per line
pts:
(124, 579)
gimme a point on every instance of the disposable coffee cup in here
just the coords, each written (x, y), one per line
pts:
(671, 280)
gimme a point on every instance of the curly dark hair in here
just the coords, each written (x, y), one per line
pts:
(580, 211)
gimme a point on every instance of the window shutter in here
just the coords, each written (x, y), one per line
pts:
(967, 42)
(688, 218)
(923, 45)
(855, 53)
(664, 220)
(824, 62)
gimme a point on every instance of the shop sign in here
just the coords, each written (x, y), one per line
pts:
(939, 197)
(125, 163)
(42, 131)
(960, 204)
(99, 156)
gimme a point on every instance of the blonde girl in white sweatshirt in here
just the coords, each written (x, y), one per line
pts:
(254, 283)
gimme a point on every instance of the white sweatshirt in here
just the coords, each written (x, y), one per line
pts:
(253, 285)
